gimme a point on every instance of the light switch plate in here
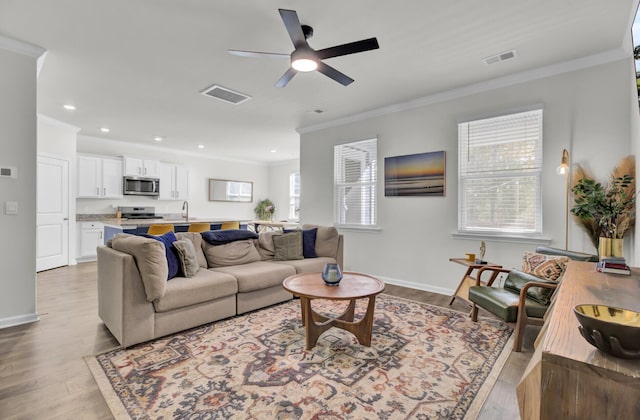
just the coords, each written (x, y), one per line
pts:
(8, 171)
(11, 207)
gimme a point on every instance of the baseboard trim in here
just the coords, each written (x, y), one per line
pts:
(419, 286)
(12, 321)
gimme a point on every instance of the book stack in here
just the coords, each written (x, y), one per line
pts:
(613, 265)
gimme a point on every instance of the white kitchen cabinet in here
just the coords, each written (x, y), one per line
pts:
(99, 177)
(134, 166)
(90, 236)
(174, 182)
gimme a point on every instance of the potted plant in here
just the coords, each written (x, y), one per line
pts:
(264, 210)
(606, 211)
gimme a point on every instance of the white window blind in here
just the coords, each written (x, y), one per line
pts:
(500, 167)
(355, 171)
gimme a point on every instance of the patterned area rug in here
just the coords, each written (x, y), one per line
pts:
(424, 362)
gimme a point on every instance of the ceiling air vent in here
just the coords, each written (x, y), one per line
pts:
(225, 94)
(503, 56)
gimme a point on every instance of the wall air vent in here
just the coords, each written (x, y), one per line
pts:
(503, 56)
(225, 94)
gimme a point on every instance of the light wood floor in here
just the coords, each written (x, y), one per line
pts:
(43, 374)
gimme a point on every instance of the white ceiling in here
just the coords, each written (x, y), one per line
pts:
(137, 66)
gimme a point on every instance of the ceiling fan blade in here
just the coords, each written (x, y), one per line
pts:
(350, 48)
(334, 74)
(241, 53)
(288, 75)
(292, 23)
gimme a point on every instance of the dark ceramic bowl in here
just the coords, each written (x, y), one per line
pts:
(612, 330)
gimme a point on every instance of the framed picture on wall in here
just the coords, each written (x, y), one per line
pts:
(421, 174)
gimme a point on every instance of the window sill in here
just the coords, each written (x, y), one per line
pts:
(356, 228)
(502, 238)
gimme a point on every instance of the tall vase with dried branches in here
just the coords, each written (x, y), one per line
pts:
(605, 211)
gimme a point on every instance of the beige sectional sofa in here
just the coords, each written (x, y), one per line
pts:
(137, 303)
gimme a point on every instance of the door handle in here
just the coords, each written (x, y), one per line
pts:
(66, 218)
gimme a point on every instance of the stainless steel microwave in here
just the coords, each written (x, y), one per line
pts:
(135, 185)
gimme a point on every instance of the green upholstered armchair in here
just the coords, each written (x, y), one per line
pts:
(514, 302)
(523, 298)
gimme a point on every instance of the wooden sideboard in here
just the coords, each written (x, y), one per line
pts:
(568, 378)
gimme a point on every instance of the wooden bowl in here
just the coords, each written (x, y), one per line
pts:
(614, 331)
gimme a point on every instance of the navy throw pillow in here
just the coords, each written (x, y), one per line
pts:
(308, 241)
(173, 259)
(221, 237)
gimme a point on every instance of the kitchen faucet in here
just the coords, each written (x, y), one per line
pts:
(185, 206)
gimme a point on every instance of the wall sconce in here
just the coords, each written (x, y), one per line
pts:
(564, 169)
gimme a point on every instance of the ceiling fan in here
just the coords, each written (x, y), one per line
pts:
(304, 58)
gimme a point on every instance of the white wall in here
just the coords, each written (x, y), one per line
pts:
(200, 170)
(279, 186)
(18, 149)
(585, 111)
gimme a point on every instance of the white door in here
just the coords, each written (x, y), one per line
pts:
(52, 231)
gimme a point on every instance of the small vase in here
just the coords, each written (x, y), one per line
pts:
(604, 247)
(331, 274)
(616, 247)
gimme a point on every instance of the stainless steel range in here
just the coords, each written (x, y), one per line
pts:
(139, 212)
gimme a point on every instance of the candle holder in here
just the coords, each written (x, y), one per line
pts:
(331, 274)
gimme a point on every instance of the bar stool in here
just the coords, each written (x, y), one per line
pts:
(230, 225)
(199, 227)
(159, 229)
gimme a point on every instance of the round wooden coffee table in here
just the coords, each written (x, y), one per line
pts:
(353, 286)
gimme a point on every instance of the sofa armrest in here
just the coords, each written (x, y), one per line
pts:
(122, 302)
(340, 251)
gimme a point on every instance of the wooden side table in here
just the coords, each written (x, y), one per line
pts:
(470, 278)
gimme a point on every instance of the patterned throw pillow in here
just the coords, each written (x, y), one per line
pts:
(548, 267)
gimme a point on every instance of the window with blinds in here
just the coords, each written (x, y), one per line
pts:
(499, 174)
(294, 195)
(355, 168)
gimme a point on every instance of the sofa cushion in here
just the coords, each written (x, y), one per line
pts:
(173, 261)
(151, 260)
(308, 265)
(264, 244)
(327, 239)
(187, 255)
(308, 241)
(232, 253)
(205, 286)
(258, 275)
(196, 239)
(548, 267)
(288, 246)
(220, 237)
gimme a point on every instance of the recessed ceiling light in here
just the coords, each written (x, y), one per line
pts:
(105, 130)
(157, 138)
(69, 107)
(273, 150)
(201, 146)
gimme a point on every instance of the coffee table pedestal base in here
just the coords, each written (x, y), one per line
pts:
(315, 324)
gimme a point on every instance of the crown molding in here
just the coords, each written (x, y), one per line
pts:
(472, 89)
(56, 123)
(20, 47)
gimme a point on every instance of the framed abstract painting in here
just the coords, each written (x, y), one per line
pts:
(421, 174)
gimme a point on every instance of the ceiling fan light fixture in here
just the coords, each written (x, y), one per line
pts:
(304, 60)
